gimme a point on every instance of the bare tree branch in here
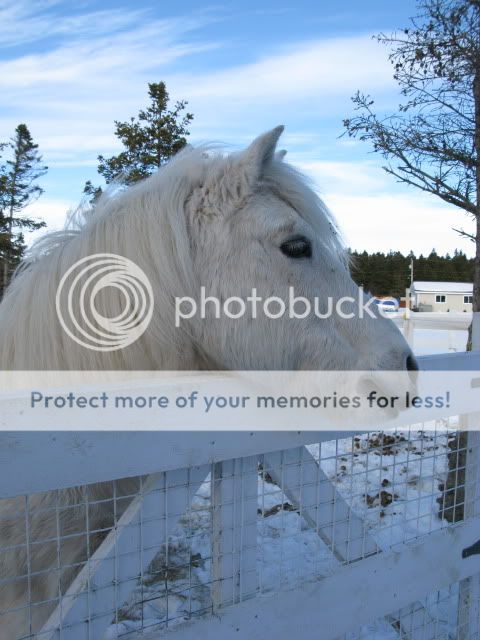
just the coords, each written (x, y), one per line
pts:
(432, 142)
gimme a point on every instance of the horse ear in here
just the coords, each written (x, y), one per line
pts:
(280, 155)
(238, 175)
(260, 153)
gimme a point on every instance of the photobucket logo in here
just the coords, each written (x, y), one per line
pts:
(99, 319)
(274, 307)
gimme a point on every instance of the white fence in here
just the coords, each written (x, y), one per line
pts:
(451, 323)
(247, 535)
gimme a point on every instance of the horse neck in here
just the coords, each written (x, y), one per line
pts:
(165, 353)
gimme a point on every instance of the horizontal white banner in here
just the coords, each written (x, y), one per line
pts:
(248, 401)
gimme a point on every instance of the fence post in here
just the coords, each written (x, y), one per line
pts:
(408, 328)
(469, 595)
(234, 530)
(451, 342)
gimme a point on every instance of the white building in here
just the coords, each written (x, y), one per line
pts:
(441, 296)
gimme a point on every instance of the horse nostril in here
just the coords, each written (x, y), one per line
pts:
(411, 363)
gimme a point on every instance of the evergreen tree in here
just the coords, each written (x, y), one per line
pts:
(3, 223)
(389, 274)
(149, 140)
(18, 188)
(91, 191)
(433, 141)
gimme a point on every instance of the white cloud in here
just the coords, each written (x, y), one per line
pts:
(306, 82)
(23, 21)
(71, 93)
(344, 177)
(387, 222)
(376, 214)
(91, 62)
(312, 69)
(53, 211)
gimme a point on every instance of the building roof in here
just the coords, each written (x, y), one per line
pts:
(442, 287)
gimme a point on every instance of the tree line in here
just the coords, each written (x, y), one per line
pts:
(388, 274)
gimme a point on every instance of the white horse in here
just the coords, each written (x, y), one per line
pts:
(230, 224)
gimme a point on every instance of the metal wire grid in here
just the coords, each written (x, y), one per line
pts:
(250, 525)
(380, 489)
(52, 543)
(439, 616)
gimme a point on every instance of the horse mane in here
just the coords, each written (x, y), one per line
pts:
(147, 223)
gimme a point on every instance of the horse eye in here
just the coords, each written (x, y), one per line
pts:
(297, 248)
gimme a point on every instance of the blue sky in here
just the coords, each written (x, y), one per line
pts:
(68, 70)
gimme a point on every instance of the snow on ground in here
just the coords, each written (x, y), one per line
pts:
(430, 341)
(390, 480)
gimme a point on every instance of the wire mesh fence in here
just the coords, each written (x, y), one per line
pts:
(147, 554)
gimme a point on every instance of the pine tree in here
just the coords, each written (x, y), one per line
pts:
(91, 191)
(18, 188)
(149, 140)
(388, 274)
(3, 222)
